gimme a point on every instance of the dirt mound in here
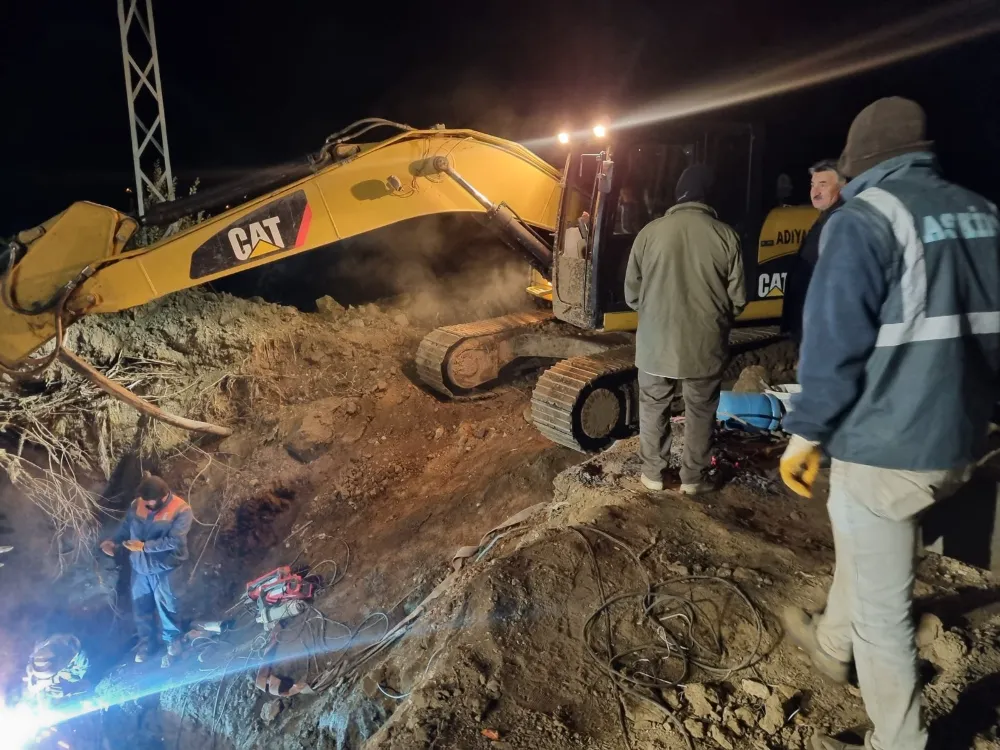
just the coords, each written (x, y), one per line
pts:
(339, 461)
(606, 611)
(613, 611)
(193, 329)
(207, 356)
(189, 353)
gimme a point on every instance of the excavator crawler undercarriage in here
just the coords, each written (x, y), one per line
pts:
(586, 400)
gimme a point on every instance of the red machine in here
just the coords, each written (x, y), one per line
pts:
(279, 595)
(278, 586)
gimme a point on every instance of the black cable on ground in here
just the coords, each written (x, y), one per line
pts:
(659, 607)
(408, 693)
(600, 589)
(338, 572)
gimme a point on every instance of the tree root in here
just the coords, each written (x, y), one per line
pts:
(141, 405)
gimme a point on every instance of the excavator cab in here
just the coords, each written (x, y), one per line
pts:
(614, 187)
(611, 190)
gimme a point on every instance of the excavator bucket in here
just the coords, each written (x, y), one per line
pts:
(44, 262)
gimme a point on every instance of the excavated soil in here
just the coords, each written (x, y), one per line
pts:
(339, 459)
(499, 655)
(343, 466)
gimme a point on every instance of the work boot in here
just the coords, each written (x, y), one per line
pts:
(800, 627)
(825, 742)
(654, 485)
(142, 652)
(697, 488)
(174, 649)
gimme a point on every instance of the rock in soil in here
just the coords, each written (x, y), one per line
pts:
(671, 699)
(695, 728)
(734, 726)
(758, 690)
(774, 714)
(745, 716)
(929, 629)
(702, 700)
(329, 307)
(269, 711)
(948, 650)
(643, 712)
(753, 379)
(720, 737)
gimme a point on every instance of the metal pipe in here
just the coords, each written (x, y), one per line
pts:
(505, 220)
(441, 164)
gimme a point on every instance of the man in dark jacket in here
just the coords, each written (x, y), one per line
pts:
(824, 192)
(685, 278)
(899, 370)
(155, 534)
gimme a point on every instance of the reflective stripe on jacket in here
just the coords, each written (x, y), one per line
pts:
(900, 364)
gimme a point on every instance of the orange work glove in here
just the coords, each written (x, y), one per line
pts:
(108, 547)
(800, 465)
(134, 545)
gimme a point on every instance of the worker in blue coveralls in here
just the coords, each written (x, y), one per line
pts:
(155, 534)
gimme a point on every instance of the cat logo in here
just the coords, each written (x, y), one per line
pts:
(280, 225)
(771, 285)
(265, 231)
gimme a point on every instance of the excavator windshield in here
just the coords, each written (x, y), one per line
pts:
(577, 209)
(647, 192)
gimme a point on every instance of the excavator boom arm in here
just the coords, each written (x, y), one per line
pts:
(76, 263)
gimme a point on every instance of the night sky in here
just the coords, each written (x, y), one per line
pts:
(253, 83)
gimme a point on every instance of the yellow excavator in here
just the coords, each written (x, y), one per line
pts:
(575, 227)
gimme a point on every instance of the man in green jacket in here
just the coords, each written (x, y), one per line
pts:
(685, 278)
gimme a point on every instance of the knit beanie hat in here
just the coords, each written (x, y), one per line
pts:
(885, 128)
(152, 488)
(694, 183)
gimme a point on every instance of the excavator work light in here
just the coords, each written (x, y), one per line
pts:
(563, 138)
(600, 131)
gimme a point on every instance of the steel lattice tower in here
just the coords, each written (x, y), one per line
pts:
(145, 100)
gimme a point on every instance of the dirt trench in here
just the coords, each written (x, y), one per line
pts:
(343, 466)
(340, 462)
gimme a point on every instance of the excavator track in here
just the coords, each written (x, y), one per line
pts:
(745, 338)
(439, 345)
(584, 403)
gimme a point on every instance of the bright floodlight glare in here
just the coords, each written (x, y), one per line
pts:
(563, 138)
(918, 35)
(20, 725)
(600, 131)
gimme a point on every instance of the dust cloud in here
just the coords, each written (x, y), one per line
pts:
(439, 269)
